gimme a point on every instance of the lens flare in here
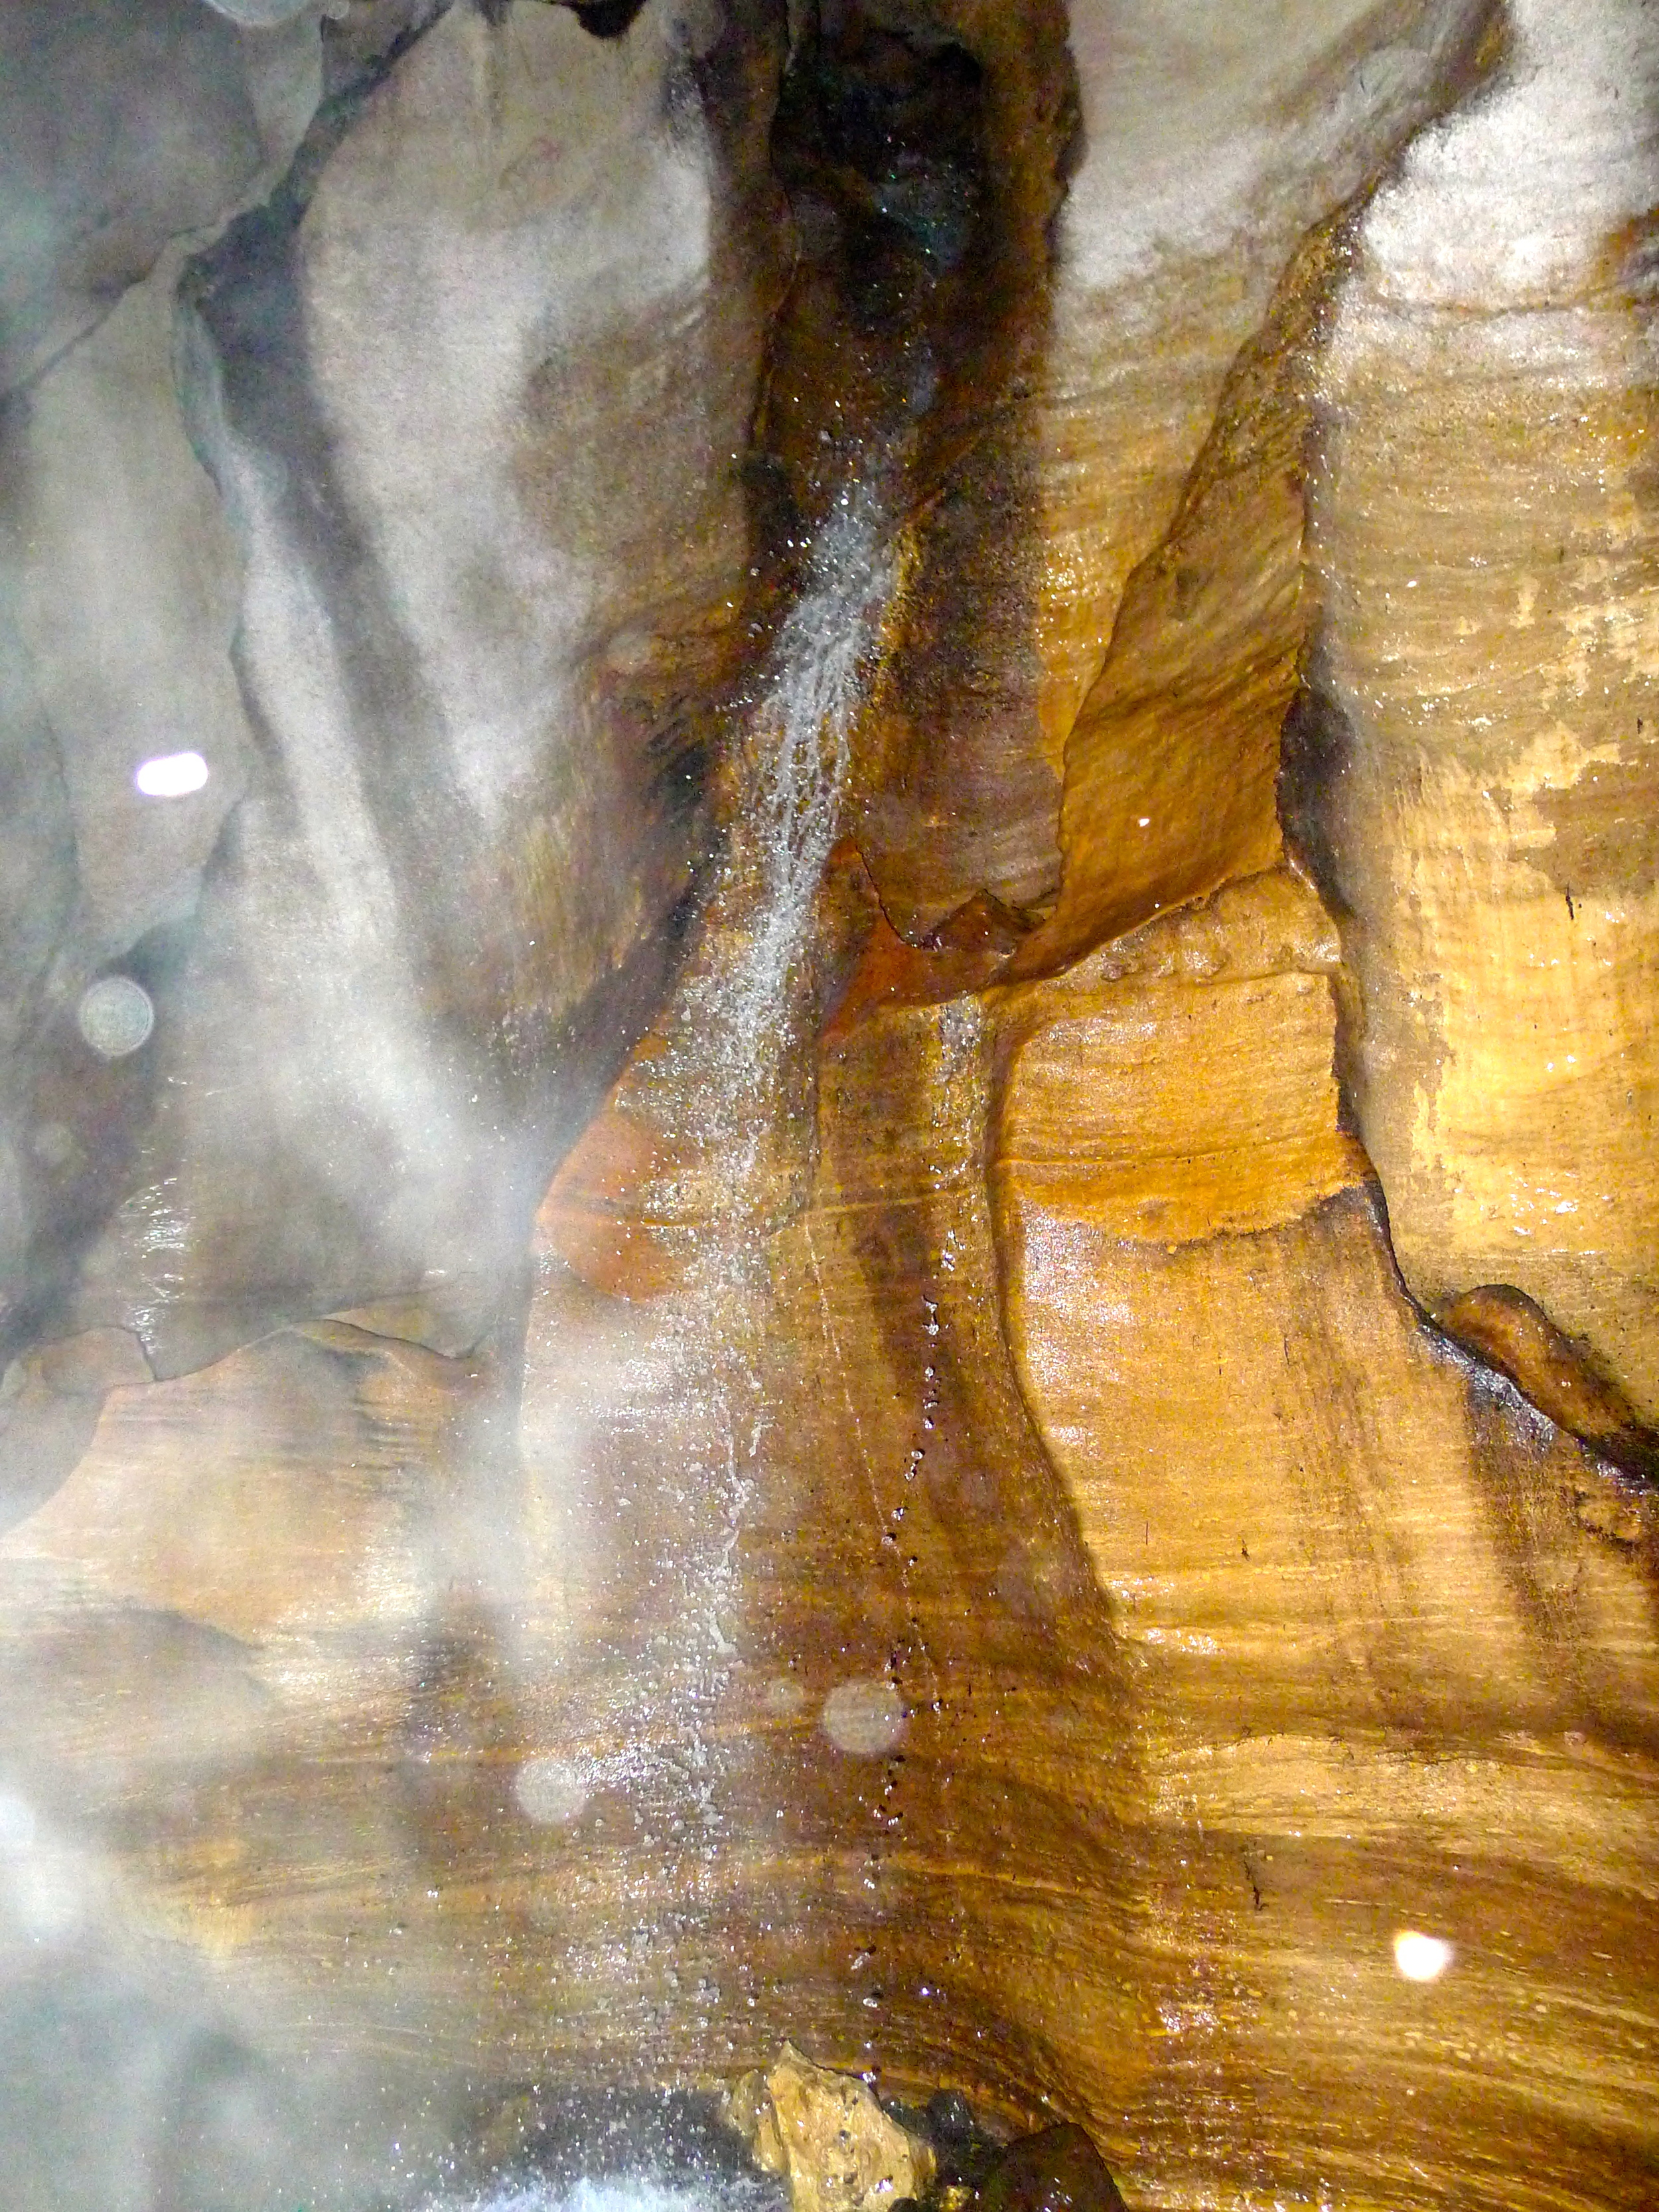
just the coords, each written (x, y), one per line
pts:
(864, 1718)
(115, 1016)
(171, 775)
(1421, 1958)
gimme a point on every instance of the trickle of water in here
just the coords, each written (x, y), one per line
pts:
(620, 2195)
(695, 1403)
(737, 1019)
(802, 741)
(623, 2193)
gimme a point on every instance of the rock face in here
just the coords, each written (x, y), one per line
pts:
(1489, 634)
(883, 1268)
(453, 711)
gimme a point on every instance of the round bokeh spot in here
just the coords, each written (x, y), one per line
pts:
(864, 1718)
(1421, 1958)
(550, 1791)
(115, 1016)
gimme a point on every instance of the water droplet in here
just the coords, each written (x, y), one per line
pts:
(864, 1717)
(115, 1016)
(550, 1791)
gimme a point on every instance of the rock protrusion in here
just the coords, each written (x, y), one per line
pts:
(1510, 1332)
(828, 2138)
(1058, 2170)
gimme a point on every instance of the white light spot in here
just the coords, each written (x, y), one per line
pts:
(1421, 1958)
(115, 1016)
(864, 1717)
(16, 1822)
(45, 1897)
(550, 1791)
(260, 14)
(1145, 821)
(171, 775)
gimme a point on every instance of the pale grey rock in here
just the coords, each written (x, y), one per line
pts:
(127, 605)
(122, 128)
(124, 123)
(1206, 136)
(457, 883)
(50, 1401)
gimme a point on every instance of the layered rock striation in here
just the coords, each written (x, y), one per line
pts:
(883, 1267)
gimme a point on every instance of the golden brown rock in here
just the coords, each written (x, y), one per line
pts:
(596, 1215)
(1166, 285)
(1172, 762)
(1101, 1117)
(827, 2137)
(1509, 1333)
(1482, 769)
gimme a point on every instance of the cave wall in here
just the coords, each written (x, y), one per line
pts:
(1014, 1504)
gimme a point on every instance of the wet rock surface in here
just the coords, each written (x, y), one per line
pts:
(837, 2146)
(790, 2133)
(827, 2137)
(1058, 2170)
(880, 1261)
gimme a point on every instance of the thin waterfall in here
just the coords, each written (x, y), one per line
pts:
(803, 743)
(749, 1004)
(733, 1023)
(691, 1403)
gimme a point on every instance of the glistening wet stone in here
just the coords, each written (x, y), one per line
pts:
(1058, 2170)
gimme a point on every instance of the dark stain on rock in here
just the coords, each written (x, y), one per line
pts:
(605, 19)
(600, 19)
(1315, 749)
(924, 170)
(462, 1743)
(879, 141)
(1607, 828)
(38, 885)
(1058, 2170)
